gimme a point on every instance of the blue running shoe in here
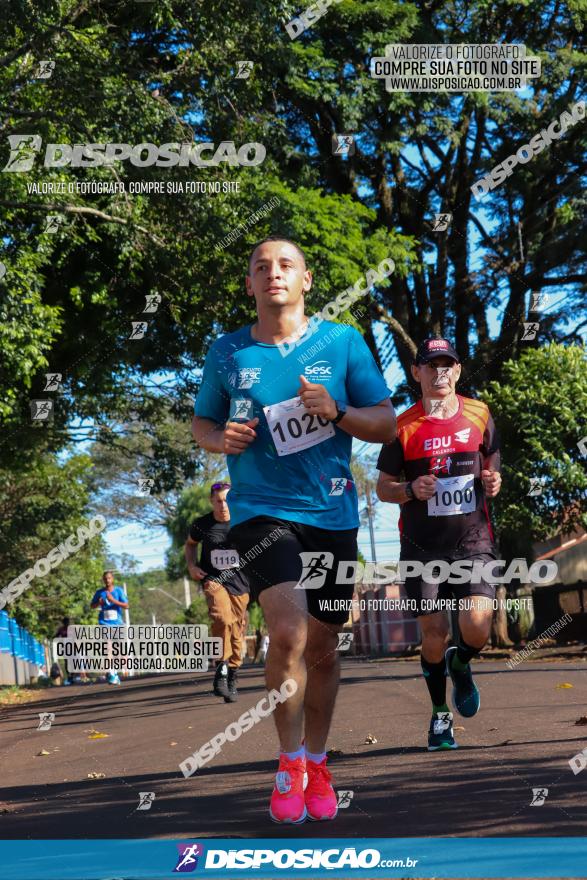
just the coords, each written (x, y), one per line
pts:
(440, 735)
(465, 696)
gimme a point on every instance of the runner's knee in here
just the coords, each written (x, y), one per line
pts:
(287, 641)
(435, 632)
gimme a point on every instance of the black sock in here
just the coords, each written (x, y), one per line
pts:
(465, 652)
(435, 676)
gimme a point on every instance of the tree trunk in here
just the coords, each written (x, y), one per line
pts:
(499, 625)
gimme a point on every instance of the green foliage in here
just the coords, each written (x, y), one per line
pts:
(165, 72)
(196, 613)
(256, 618)
(146, 600)
(540, 412)
(41, 504)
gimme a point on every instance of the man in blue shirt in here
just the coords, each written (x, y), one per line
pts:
(285, 416)
(110, 600)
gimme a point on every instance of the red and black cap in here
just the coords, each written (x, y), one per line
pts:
(432, 348)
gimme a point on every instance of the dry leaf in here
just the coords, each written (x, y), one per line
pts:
(94, 775)
(564, 685)
(334, 753)
(172, 743)
(369, 739)
(97, 735)
(459, 728)
(582, 720)
(42, 753)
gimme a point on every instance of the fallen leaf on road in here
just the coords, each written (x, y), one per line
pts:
(42, 753)
(493, 728)
(459, 728)
(582, 720)
(564, 685)
(369, 739)
(334, 753)
(97, 735)
(94, 775)
(172, 743)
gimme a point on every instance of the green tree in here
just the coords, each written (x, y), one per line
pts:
(540, 412)
(165, 73)
(42, 503)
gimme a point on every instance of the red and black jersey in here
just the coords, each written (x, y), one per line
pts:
(455, 522)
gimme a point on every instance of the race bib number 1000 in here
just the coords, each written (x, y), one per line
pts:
(293, 428)
(453, 496)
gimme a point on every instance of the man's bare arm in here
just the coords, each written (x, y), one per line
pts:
(390, 488)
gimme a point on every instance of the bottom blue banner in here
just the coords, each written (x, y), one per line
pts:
(553, 857)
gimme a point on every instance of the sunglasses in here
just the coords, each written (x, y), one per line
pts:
(215, 487)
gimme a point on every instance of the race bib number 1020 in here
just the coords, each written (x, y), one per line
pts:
(293, 428)
(453, 496)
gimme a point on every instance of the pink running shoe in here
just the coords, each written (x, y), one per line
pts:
(319, 795)
(287, 800)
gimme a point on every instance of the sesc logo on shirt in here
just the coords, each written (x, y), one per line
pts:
(319, 371)
(245, 377)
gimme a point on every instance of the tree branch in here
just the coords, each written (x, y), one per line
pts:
(78, 209)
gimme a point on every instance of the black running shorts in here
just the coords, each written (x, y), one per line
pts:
(425, 594)
(274, 551)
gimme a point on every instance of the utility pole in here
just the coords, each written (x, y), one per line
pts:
(371, 520)
(187, 591)
(125, 610)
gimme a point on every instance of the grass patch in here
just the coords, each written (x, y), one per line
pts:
(14, 695)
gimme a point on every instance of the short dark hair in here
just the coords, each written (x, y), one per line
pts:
(218, 487)
(277, 238)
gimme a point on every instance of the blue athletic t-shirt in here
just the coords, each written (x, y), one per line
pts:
(110, 615)
(284, 472)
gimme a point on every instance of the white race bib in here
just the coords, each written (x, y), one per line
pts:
(293, 428)
(111, 615)
(453, 496)
(223, 559)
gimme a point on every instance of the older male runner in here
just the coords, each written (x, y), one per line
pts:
(288, 439)
(447, 451)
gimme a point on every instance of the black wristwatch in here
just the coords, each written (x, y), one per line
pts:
(409, 491)
(340, 411)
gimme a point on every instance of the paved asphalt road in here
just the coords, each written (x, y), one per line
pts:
(522, 739)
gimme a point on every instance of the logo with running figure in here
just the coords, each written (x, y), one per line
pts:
(315, 568)
(241, 409)
(187, 860)
(440, 465)
(339, 484)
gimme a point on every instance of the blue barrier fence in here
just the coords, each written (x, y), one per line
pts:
(18, 643)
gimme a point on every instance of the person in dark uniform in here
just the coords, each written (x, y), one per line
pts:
(225, 587)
